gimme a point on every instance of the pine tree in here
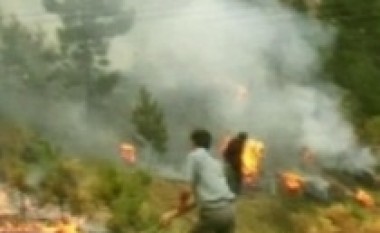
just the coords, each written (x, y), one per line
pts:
(88, 27)
(354, 62)
(25, 60)
(148, 118)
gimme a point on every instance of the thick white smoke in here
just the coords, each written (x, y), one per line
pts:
(197, 55)
(227, 65)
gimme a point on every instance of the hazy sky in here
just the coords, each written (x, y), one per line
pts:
(26, 7)
(32, 13)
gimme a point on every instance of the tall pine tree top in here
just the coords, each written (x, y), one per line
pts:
(148, 119)
(88, 27)
(89, 24)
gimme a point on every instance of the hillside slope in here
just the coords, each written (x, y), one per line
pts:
(262, 213)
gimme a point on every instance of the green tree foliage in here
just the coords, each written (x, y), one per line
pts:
(15, 174)
(354, 62)
(40, 152)
(85, 187)
(108, 185)
(148, 118)
(88, 26)
(127, 204)
(372, 130)
(61, 182)
(22, 153)
(13, 169)
(111, 181)
(69, 183)
(24, 58)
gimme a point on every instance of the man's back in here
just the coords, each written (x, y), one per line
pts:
(207, 177)
(212, 194)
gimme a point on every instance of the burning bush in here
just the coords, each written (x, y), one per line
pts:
(364, 198)
(292, 183)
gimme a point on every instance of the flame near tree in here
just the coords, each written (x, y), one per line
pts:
(128, 153)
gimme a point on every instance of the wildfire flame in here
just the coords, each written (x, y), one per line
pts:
(251, 157)
(128, 152)
(64, 226)
(292, 182)
(364, 198)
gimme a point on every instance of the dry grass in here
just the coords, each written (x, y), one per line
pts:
(261, 213)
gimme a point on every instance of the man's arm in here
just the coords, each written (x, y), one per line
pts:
(186, 203)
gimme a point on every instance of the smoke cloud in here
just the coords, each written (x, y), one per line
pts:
(255, 66)
(231, 65)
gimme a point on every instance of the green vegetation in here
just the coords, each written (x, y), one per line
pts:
(131, 199)
(88, 27)
(80, 186)
(354, 62)
(148, 119)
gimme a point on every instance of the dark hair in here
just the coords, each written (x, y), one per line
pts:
(201, 138)
(242, 136)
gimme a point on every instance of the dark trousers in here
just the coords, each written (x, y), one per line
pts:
(216, 220)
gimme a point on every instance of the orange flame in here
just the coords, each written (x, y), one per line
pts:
(292, 182)
(252, 155)
(67, 226)
(128, 152)
(364, 199)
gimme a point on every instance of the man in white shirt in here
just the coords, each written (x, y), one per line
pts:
(207, 189)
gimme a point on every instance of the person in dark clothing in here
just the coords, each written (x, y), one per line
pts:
(232, 157)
